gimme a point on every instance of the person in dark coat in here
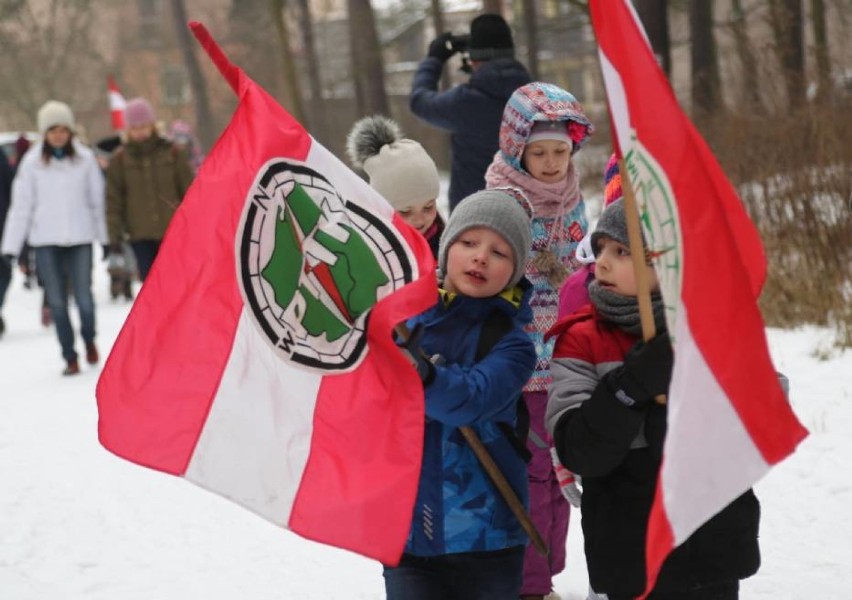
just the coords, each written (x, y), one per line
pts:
(5, 195)
(146, 180)
(472, 111)
(608, 429)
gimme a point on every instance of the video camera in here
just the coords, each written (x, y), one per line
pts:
(460, 44)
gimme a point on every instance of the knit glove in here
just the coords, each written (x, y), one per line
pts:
(568, 481)
(645, 373)
(441, 48)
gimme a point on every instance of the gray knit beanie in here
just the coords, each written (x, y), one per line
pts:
(498, 210)
(613, 224)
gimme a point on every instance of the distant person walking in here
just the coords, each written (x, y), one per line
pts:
(5, 195)
(146, 180)
(472, 111)
(58, 206)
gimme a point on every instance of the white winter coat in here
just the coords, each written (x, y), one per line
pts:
(60, 203)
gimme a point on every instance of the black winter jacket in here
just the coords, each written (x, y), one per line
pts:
(617, 450)
(471, 112)
(617, 501)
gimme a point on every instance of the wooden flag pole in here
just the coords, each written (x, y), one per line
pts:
(497, 477)
(637, 253)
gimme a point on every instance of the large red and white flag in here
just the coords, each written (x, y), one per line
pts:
(116, 104)
(728, 419)
(258, 360)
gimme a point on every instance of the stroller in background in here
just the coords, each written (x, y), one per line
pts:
(121, 266)
(122, 271)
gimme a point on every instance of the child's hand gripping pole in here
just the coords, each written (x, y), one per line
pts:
(637, 253)
(494, 473)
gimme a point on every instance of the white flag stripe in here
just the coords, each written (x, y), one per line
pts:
(116, 101)
(264, 475)
(618, 109)
(705, 438)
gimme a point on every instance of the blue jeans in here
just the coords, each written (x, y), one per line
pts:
(145, 252)
(57, 265)
(465, 576)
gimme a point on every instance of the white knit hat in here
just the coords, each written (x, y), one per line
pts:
(399, 168)
(404, 174)
(54, 113)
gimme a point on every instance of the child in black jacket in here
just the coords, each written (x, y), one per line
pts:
(608, 429)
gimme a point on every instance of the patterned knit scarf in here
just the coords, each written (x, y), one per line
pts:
(549, 200)
(623, 311)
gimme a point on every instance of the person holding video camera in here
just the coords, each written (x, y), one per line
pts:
(471, 111)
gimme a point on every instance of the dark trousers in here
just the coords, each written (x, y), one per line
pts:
(56, 266)
(728, 590)
(5, 279)
(464, 576)
(145, 252)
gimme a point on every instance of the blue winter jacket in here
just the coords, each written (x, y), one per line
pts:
(471, 112)
(457, 507)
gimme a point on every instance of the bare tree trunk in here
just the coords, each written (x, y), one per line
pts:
(492, 6)
(748, 62)
(531, 27)
(355, 53)
(788, 27)
(317, 108)
(369, 71)
(706, 91)
(823, 63)
(438, 24)
(204, 118)
(293, 102)
(654, 15)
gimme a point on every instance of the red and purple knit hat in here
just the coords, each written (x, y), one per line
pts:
(612, 181)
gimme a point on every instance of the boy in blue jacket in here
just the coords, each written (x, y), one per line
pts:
(464, 541)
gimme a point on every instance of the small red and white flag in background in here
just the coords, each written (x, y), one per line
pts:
(258, 360)
(116, 105)
(728, 419)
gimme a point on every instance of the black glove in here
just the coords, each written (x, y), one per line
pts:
(8, 259)
(414, 353)
(107, 248)
(646, 372)
(441, 48)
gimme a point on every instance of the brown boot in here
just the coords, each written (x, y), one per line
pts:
(92, 356)
(73, 367)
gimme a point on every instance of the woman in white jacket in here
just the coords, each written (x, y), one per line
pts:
(58, 205)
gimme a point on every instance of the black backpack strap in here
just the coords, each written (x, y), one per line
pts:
(496, 325)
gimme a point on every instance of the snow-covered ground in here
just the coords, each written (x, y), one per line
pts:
(78, 523)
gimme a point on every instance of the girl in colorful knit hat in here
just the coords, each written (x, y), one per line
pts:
(543, 127)
(401, 171)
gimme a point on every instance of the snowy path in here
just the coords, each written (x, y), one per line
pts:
(78, 523)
